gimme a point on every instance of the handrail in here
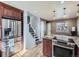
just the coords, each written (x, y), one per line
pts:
(30, 23)
(33, 28)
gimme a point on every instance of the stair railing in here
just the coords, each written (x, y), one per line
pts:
(30, 23)
(37, 41)
(33, 28)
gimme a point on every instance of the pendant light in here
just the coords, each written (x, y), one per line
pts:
(65, 16)
(78, 10)
(54, 17)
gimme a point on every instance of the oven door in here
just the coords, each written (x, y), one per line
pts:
(62, 52)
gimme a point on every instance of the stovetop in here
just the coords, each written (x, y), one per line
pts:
(70, 43)
(65, 44)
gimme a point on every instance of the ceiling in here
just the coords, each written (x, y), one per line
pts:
(44, 9)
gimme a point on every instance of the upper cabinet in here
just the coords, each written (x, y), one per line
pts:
(8, 11)
(16, 14)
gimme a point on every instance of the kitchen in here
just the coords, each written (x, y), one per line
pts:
(61, 35)
(62, 39)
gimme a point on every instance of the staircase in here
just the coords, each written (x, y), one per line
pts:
(33, 33)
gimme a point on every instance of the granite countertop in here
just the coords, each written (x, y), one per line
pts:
(76, 40)
(48, 37)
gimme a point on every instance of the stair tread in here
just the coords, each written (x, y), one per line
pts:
(33, 33)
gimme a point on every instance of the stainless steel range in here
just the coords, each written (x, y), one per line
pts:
(62, 48)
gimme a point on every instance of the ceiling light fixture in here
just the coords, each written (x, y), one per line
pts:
(78, 10)
(54, 15)
(65, 16)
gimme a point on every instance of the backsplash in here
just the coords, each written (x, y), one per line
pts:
(62, 37)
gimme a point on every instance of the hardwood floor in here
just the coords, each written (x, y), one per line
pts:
(34, 52)
(17, 44)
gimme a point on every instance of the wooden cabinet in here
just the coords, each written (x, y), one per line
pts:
(76, 51)
(7, 12)
(0, 53)
(10, 12)
(47, 47)
(16, 14)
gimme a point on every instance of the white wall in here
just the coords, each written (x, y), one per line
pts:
(35, 21)
(48, 28)
(42, 29)
(38, 28)
(78, 26)
(29, 41)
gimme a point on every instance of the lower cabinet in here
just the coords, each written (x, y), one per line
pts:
(0, 53)
(77, 52)
(47, 47)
